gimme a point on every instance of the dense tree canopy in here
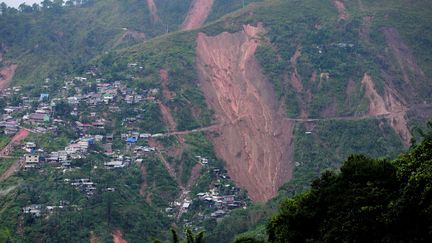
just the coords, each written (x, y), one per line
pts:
(369, 200)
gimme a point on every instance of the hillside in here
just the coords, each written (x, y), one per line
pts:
(198, 113)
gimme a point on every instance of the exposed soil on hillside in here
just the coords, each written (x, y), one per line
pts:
(167, 94)
(365, 28)
(340, 6)
(7, 73)
(377, 105)
(195, 174)
(403, 54)
(391, 104)
(166, 112)
(94, 238)
(118, 236)
(197, 15)
(167, 117)
(256, 141)
(153, 10)
(22, 134)
(295, 77)
(350, 89)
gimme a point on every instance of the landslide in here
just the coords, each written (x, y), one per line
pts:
(390, 104)
(153, 10)
(7, 73)
(256, 140)
(118, 236)
(340, 6)
(197, 15)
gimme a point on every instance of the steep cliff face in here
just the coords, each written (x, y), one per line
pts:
(255, 139)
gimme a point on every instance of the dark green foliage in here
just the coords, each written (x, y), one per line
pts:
(368, 201)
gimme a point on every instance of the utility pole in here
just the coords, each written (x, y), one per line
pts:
(243, 3)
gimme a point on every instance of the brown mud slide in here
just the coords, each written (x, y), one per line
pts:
(22, 134)
(118, 236)
(340, 6)
(7, 73)
(256, 141)
(94, 238)
(197, 15)
(295, 77)
(390, 104)
(153, 10)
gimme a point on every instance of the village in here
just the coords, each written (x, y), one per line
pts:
(104, 118)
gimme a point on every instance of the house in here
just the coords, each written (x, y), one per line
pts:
(145, 135)
(73, 100)
(73, 148)
(186, 205)
(34, 210)
(109, 138)
(98, 138)
(99, 123)
(53, 157)
(9, 127)
(218, 213)
(39, 118)
(43, 97)
(129, 99)
(114, 164)
(107, 149)
(108, 98)
(131, 140)
(31, 161)
(30, 147)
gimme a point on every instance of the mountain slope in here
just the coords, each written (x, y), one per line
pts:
(274, 93)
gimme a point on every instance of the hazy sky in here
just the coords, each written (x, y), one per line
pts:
(16, 3)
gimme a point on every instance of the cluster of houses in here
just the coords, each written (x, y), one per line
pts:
(222, 197)
(84, 100)
(107, 93)
(84, 185)
(38, 210)
(213, 204)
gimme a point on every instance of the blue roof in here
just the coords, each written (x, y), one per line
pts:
(131, 140)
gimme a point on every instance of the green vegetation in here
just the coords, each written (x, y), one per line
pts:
(4, 164)
(370, 200)
(57, 42)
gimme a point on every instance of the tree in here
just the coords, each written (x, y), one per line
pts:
(24, 8)
(190, 237)
(46, 4)
(368, 201)
(3, 8)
